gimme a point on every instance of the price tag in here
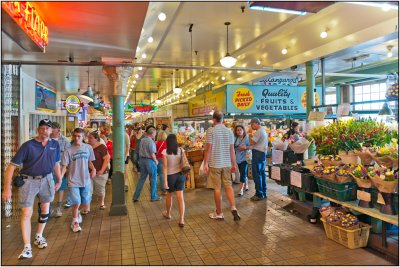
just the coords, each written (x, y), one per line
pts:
(380, 199)
(277, 156)
(295, 179)
(276, 173)
(362, 195)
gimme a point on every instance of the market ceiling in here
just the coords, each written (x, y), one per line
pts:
(101, 32)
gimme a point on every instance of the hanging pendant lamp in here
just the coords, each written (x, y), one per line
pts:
(228, 61)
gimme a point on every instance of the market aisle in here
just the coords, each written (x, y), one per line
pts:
(267, 234)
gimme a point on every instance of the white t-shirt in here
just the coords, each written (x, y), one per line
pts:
(173, 161)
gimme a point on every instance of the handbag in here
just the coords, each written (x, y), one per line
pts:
(185, 166)
(18, 181)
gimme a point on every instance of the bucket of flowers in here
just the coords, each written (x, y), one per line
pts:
(329, 173)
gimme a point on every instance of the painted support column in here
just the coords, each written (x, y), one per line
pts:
(118, 77)
(310, 82)
(338, 94)
(323, 81)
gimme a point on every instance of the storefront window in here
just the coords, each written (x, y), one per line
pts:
(369, 92)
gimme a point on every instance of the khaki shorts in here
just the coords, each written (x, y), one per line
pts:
(220, 176)
(99, 185)
(44, 188)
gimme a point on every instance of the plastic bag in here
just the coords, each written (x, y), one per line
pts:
(300, 146)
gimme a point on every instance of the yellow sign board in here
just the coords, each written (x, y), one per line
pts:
(206, 103)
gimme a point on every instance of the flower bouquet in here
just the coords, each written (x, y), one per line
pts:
(300, 146)
(388, 156)
(335, 217)
(365, 154)
(331, 160)
(386, 181)
(329, 173)
(278, 144)
(349, 167)
(317, 170)
(343, 175)
(360, 174)
(393, 92)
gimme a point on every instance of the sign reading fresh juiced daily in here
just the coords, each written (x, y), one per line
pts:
(267, 99)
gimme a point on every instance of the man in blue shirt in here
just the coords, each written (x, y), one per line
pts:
(39, 157)
(148, 163)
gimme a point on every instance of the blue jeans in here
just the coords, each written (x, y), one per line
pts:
(148, 167)
(258, 169)
(243, 166)
(160, 172)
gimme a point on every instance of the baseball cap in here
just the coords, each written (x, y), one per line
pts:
(255, 120)
(46, 122)
(56, 125)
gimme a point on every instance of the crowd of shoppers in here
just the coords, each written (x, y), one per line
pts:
(84, 167)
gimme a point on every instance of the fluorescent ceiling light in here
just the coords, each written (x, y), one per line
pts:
(284, 51)
(144, 55)
(384, 6)
(158, 101)
(150, 39)
(278, 10)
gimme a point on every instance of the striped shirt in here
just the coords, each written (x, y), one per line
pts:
(220, 138)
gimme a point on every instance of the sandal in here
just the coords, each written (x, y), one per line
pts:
(103, 207)
(181, 224)
(164, 213)
(84, 212)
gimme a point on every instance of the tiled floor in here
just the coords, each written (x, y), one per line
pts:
(266, 235)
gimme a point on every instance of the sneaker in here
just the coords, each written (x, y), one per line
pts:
(25, 254)
(58, 212)
(215, 216)
(67, 205)
(109, 181)
(79, 217)
(256, 198)
(156, 199)
(236, 216)
(240, 193)
(40, 242)
(75, 227)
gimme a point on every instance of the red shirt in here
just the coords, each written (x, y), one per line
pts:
(160, 146)
(109, 146)
(133, 142)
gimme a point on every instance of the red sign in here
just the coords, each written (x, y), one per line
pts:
(25, 15)
(143, 108)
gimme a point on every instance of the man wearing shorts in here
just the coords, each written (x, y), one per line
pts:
(78, 158)
(220, 155)
(39, 157)
(64, 144)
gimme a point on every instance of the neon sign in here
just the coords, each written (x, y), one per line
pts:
(25, 15)
(73, 104)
